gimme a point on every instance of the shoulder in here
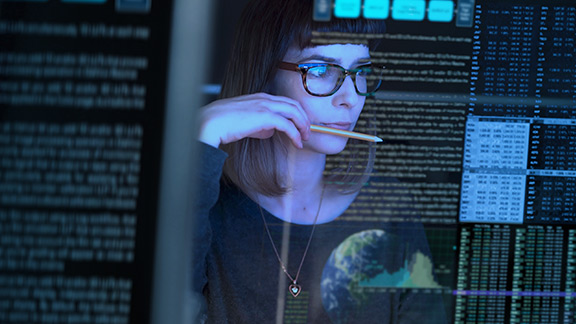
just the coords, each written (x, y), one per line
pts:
(233, 205)
(210, 155)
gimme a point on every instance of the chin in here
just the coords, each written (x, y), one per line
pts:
(327, 144)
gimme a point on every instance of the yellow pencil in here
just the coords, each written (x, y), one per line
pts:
(343, 133)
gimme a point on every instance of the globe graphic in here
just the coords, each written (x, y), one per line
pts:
(364, 261)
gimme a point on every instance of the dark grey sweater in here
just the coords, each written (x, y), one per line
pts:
(351, 274)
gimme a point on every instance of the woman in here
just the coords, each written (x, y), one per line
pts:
(271, 240)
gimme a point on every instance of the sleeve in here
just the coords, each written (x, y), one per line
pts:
(206, 194)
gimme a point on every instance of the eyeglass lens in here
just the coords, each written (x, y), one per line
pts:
(326, 79)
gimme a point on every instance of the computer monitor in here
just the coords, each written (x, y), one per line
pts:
(97, 145)
(476, 111)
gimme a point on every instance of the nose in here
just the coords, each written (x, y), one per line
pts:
(346, 96)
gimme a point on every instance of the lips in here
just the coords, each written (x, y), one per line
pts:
(338, 125)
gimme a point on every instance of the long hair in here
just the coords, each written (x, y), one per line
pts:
(265, 32)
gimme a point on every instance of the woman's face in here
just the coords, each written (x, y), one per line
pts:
(340, 110)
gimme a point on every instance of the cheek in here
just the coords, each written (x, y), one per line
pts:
(321, 109)
(287, 84)
(317, 108)
(358, 109)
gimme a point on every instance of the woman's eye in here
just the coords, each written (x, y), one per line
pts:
(318, 71)
(365, 71)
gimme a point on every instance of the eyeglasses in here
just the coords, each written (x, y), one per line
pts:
(324, 79)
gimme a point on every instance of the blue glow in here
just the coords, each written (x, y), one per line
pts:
(347, 8)
(440, 11)
(376, 9)
(85, 1)
(409, 10)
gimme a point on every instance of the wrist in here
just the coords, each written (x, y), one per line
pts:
(208, 136)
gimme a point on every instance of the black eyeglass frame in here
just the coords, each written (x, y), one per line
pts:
(303, 69)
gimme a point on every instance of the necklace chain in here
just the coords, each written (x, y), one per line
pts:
(294, 280)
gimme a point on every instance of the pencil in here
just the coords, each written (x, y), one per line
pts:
(343, 133)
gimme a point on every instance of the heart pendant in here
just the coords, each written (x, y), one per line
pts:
(295, 290)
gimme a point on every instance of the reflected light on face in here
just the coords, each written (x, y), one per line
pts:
(340, 110)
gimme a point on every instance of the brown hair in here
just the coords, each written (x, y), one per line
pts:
(267, 28)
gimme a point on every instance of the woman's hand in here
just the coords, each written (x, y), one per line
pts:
(256, 115)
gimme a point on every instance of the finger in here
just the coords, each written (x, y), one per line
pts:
(229, 120)
(294, 112)
(259, 124)
(281, 124)
(289, 109)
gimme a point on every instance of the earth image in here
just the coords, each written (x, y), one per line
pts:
(361, 264)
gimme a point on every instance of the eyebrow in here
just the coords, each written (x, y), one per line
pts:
(317, 57)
